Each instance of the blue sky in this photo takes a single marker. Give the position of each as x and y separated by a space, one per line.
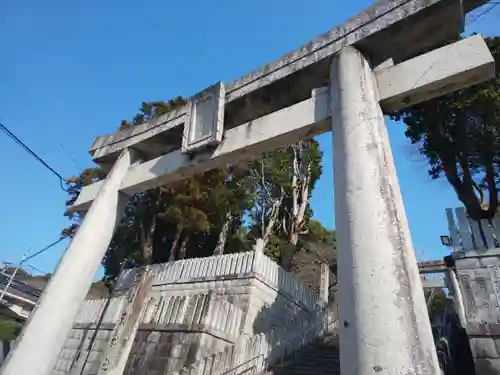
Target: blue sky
72 70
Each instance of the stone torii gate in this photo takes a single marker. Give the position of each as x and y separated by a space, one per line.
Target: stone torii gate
342 81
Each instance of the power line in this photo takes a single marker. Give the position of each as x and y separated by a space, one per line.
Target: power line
32 153
45 248
470 22
26 258
40 119
487 10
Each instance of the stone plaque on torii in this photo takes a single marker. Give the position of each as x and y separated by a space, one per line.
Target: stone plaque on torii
342 81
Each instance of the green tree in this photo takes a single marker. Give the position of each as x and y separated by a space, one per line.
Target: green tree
74 186
318 233
437 301
295 213
284 180
229 197
205 214
185 218
459 134
9 329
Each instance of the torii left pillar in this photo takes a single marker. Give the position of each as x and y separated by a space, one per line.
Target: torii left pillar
66 290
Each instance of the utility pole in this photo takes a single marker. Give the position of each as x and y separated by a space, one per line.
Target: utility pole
14 274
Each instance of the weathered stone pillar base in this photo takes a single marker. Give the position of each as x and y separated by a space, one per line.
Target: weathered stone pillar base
384 324
477 273
484 339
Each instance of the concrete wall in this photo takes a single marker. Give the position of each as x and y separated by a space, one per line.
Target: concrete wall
192 309
173 330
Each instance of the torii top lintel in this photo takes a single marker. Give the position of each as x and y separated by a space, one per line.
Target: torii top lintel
392 29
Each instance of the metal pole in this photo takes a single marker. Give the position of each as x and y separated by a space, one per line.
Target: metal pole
13 275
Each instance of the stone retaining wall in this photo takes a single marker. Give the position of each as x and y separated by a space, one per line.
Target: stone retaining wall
190 309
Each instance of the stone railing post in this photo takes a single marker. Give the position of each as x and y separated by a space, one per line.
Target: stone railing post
324 283
122 339
258 250
457 297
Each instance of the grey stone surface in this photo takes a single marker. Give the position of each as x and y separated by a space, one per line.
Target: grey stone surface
397 29
484 347
204 124
478 288
385 322
167 352
483 329
477 276
487 366
182 322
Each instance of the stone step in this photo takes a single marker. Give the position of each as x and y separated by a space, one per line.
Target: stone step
322 348
327 343
307 371
309 364
304 367
326 353
319 358
315 358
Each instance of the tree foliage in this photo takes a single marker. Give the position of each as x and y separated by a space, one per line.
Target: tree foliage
459 134
437 301
284 180
9 329
224 210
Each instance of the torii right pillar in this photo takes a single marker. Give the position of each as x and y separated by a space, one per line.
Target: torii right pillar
384 324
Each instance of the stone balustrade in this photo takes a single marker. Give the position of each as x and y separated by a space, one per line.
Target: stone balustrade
222 267
469 235
91 310
257 353
194 310
190 310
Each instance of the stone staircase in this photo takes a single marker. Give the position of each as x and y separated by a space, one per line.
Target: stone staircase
318 358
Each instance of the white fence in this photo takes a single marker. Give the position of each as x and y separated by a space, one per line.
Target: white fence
467 234
227 266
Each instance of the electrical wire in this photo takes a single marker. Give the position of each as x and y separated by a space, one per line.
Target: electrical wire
45 249
62 180
470 22
486 11
32 153
23 261
40 119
